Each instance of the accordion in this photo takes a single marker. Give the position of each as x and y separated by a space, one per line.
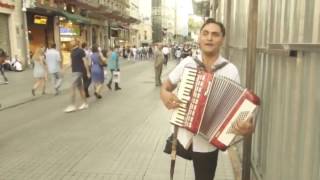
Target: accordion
212 105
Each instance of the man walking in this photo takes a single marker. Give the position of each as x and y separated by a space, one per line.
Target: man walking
79 68
86 79
3 57
54 63
113 65
158 63
166 52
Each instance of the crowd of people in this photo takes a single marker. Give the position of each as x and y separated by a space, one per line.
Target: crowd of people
87 66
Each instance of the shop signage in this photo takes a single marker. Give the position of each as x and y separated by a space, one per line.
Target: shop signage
65 31
6 5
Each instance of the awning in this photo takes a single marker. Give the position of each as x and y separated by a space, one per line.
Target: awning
75 18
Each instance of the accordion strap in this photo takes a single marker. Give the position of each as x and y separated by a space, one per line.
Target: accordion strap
215 68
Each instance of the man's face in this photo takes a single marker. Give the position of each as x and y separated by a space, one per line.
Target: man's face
210 38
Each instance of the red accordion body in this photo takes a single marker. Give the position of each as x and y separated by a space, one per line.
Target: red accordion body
212 105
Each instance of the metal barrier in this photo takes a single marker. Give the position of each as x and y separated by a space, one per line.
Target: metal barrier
286 143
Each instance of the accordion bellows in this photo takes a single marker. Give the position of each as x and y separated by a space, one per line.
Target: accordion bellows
212 105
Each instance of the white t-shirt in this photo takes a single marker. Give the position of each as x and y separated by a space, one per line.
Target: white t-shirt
53 60
185 137
165 50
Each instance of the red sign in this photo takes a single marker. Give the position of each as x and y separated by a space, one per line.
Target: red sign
6 5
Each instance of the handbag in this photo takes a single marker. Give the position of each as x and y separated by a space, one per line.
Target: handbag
181 151
116 76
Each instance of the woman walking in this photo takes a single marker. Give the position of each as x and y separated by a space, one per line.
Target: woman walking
39 71
97 72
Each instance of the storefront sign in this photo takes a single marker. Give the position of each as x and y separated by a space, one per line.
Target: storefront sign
6 5
37 19
67 31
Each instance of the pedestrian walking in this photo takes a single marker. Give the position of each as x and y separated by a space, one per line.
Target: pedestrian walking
150 52
158 63
86 79
39 71
113 65
97 72
166 52
79 67
203 154
54 64
3 57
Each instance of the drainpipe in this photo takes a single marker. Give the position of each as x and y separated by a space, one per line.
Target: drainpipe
228 28
250 78
26 39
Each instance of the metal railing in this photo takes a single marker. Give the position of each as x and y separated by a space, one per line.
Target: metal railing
286 142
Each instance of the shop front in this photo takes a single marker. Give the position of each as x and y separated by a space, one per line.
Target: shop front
6 36
4 31
40 30
69 31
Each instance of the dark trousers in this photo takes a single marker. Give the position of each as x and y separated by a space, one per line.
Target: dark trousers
166 57
205 165
158 72
2 73
86 84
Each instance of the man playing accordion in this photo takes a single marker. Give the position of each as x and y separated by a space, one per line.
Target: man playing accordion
204 155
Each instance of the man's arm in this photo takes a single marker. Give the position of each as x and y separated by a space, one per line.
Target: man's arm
169 99
84 59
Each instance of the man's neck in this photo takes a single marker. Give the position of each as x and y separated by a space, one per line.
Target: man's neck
210 59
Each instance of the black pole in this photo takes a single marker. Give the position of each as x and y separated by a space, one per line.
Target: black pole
173 151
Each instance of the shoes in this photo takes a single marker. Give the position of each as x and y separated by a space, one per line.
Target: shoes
33 92
6 82
43 93
118 88
109 86
87 95
70 108
83 106
57 92
98 96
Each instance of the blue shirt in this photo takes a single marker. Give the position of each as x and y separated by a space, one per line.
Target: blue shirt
113 63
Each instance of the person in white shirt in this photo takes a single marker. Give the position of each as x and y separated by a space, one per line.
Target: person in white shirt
165 51
204 155
54 63
134 53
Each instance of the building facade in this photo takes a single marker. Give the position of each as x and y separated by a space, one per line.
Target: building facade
12 29
104 23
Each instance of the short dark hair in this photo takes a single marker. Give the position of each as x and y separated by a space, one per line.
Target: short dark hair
53 45
84 45
95 48
2 53
213 21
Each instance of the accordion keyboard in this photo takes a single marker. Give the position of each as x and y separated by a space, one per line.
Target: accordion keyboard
184 94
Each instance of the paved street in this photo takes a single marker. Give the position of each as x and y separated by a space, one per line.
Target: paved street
120 137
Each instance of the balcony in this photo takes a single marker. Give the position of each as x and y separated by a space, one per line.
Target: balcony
85 4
